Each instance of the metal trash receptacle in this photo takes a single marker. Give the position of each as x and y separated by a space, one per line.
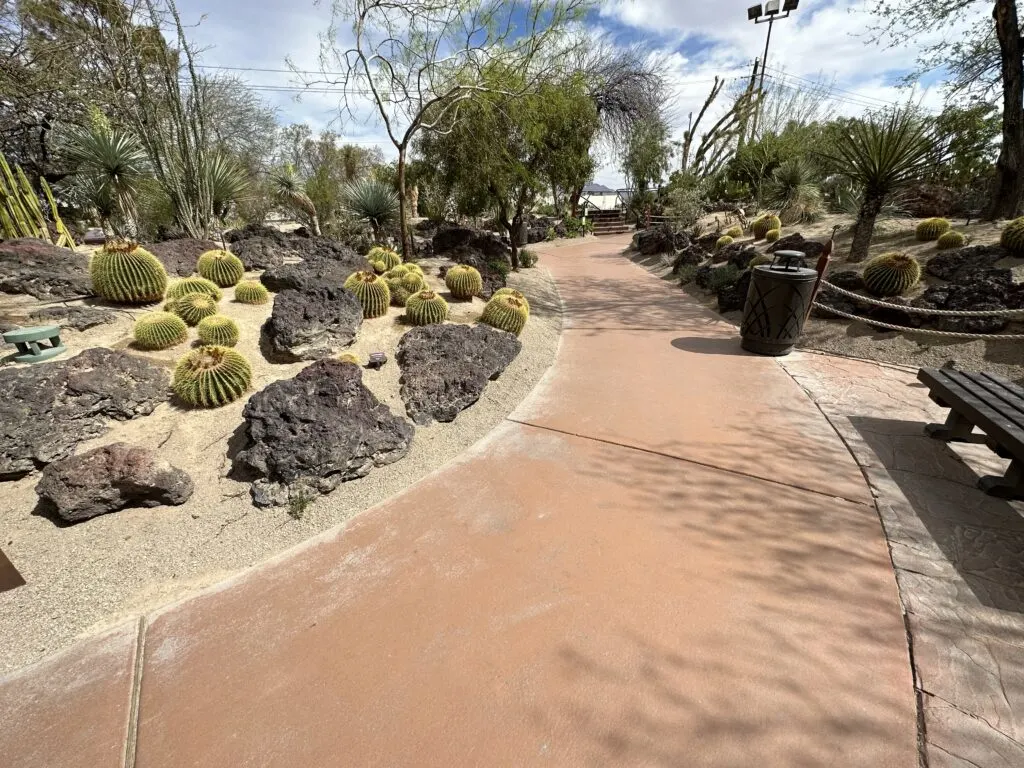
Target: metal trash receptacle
779 296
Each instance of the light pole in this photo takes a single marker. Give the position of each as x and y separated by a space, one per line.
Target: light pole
769 14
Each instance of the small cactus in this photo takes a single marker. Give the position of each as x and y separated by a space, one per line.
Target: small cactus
188 285
159 330
507 313
211 376
413 267
765 224
222 267
413 282
426 308
734 232
463 281
193 307
509 292
251 292
891 274
379 267
348 357
218 330
385 255
399 296
372 291
772 235
950 240
125 273
1012 238
759 260
400 271
723 241
931 229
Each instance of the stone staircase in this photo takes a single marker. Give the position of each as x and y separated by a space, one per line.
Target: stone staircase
610 222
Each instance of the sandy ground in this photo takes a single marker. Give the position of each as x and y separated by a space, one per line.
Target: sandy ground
85 577
852 339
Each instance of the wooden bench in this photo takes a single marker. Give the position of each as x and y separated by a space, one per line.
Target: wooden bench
26 340
993 405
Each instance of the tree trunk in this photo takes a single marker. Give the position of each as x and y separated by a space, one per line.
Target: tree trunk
515 235
574 201
865 226
403 221
314 222
1008 188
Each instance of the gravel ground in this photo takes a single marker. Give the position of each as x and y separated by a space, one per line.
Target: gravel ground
84 578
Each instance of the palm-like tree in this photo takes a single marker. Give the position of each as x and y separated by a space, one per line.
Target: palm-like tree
228 182
881 156
372 201
793 189
290 191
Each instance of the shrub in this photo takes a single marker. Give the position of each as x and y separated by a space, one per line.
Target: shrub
891 274
189 285
734 232
550 234
373 201
931 229
723 241
463 281
426 308
949 240
527 258
218 330
222 267
385 255
372 291
1012 238
159 330
722 277
251 292
772 235
687 273
125 273
193 307
765 224
507 313
211 376
793 190
501 266
574 227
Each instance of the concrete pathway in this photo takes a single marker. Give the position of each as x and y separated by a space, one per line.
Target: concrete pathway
665 557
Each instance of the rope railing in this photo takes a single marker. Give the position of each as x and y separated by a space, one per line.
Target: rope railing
921 310
928 331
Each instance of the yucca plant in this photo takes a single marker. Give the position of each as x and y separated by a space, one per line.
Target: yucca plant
289 190
882 155
793 189
228 184
371 201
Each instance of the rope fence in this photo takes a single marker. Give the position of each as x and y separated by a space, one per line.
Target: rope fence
921 310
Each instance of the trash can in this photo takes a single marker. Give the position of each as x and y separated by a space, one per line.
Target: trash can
779 296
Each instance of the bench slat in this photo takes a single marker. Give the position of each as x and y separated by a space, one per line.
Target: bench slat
997 398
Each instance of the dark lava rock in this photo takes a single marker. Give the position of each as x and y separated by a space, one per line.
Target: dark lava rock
961 264
309 275
422 247
659 239
926 200
489 244
976 289
452 237
732 298
179 257
690 256
42 270
847 279
255 230
894 316
493 279
841 303
324 249
260 252
78 318
48 409
975 324
318 430
111 478
702 277
811 249
313 323
446 367
738 255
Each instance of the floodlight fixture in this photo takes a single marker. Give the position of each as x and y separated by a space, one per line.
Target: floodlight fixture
790 5
772 7
754 12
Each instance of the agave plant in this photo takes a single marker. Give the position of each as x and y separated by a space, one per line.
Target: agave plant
882 155
228 183
372 201
289 190
793 190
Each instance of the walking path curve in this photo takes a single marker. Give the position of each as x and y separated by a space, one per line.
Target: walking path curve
664 557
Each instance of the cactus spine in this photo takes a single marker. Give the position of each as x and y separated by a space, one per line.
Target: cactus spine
413 282
891 274
251 292
125 273
426 308
189 285
507 313
159 330
222 267
372 291
463 281
211 376
218 330
193 307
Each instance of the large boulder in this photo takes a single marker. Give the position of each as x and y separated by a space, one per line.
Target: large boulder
963 263
308 275
926 200
846 279
493 278
690 256
313 323
260 252
738 254
111 478
78 318
732 298
48 409
255 230
659 239
324 249
179 256
452 237
445 368
811 249
317 430
42 270
489 244
974 289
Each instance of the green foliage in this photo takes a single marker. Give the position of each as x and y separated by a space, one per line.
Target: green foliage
931 229
762 224
159 330
228 183
193 307
372 292
687 273
251 292
685 199
291 192
125 273
949 240
550 234
507 313
645 160
891 274
426 308
1012 237
772 235
188 285
723 277
527 258
219 330
500 265
373 202
574 227
222 267
399 296
793 190
20 212
210 377
723 241
389 258
299 500
463 281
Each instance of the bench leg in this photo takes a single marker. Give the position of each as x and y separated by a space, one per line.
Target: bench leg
1009 486
956 429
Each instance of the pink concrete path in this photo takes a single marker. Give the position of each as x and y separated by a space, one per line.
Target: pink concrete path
665 557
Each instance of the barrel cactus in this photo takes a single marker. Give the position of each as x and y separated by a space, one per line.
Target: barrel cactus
395 272
950 240
159 330
734 232
759 260
372 292
1012 238
399 296
222 267
506 313
723 241
931 229
386 255
772 235
211 376
426 308
251 292
765 224
193 307
413 267
463 281
219 330
123 272
379 267
188 285
413 282
510 292
891 274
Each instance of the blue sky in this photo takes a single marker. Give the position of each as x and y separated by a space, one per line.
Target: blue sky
698 38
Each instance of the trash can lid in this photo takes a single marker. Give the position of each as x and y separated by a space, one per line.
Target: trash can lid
785 266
